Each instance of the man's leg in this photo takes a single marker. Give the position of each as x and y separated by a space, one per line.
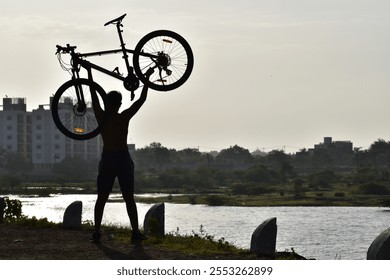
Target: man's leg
132 212
131 208
126 182
99 209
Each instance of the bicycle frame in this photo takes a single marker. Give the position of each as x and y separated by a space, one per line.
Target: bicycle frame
131 82
77 58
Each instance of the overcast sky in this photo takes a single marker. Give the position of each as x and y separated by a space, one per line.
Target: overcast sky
267 74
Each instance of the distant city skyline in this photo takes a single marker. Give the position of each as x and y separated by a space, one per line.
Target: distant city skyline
285 148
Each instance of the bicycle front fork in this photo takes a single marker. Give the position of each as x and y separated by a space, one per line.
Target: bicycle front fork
80 107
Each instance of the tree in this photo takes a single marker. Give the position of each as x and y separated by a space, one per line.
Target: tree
189 155
235 154
73 168
379 146
302 159
153 156
17 163
323 179
8 180
322 159
280 162
174 178
379 153
260 174
2 157
204 178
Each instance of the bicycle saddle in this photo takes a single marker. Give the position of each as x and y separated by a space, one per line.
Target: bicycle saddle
115 21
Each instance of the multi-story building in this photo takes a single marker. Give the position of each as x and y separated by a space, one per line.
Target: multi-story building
15 127
339 154
336 147
35 135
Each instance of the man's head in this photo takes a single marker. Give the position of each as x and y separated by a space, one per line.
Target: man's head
114 100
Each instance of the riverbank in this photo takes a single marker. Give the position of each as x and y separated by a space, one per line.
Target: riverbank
223 199
339 195
26 242
267 200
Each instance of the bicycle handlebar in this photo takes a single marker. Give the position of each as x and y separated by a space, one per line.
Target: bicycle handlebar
67 49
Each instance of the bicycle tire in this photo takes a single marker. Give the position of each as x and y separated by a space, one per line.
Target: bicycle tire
175 53
70 120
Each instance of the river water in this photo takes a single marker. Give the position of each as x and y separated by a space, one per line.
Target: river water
323 233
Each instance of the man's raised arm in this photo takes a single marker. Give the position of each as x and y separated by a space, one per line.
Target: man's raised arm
129 113
95 100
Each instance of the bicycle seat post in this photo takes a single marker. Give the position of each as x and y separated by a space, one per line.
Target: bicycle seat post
131 82
125 56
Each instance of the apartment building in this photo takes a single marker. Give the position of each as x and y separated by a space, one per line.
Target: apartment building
35 135
15 127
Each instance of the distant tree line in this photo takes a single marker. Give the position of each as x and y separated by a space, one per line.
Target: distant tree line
156 156
158 166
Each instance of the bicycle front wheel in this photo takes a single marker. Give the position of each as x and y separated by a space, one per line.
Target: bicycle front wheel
169 54
72 109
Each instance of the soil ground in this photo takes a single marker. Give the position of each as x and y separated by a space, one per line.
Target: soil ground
33 243
30 243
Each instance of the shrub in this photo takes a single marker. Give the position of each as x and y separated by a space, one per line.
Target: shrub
12 210
250 189
192 199
374 189
339 194
385 203
322 179
215 200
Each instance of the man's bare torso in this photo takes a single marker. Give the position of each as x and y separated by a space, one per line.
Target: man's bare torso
114 132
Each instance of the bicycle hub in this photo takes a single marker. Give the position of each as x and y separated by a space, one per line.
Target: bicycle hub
163 60
79 109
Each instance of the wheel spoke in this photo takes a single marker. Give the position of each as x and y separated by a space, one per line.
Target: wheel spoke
76 120
174 59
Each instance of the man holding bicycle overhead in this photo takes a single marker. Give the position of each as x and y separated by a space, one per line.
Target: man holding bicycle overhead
115 160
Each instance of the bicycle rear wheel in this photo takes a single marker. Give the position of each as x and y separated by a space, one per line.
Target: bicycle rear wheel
73 116
170 53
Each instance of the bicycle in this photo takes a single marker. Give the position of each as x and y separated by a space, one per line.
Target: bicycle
164 51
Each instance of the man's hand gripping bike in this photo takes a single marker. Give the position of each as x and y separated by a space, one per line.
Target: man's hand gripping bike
164 51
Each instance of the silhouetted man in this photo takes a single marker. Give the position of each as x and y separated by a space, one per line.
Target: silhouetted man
115 160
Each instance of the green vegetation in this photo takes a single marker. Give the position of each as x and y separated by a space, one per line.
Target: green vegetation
233 176
195 244
12 214
12 210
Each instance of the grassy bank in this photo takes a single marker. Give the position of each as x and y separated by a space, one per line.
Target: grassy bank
281 195
198 245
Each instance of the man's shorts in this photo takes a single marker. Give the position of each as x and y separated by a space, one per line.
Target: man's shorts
116 164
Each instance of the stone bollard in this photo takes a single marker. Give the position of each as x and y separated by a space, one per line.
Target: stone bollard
2 206
263 241
380 247
72 215
154 222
